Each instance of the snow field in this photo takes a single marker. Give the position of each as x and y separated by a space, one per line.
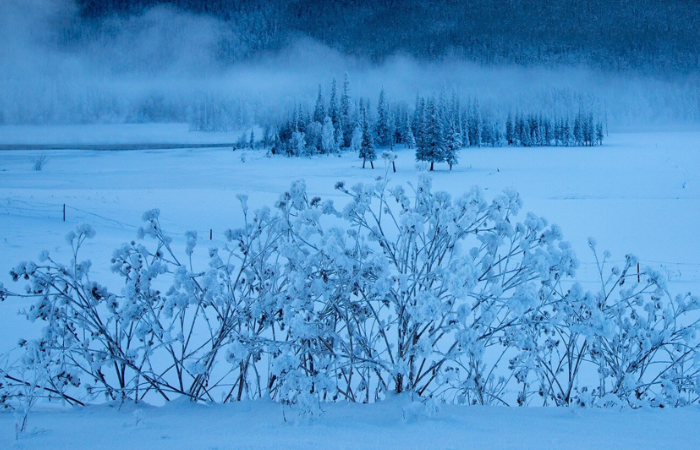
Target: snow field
637 193
395 424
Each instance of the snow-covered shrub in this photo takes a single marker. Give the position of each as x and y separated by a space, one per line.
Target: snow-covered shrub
645 342
444 280
637 340
449 299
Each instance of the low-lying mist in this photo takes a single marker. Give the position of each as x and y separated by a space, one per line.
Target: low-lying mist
162 64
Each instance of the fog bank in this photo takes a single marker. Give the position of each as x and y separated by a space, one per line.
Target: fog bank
164 63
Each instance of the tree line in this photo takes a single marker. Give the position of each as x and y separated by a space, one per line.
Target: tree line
437 127
655 36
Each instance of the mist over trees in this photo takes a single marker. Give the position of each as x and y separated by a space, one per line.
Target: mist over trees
229 65
653 36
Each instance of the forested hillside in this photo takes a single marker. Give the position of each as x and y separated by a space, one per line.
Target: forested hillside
652 36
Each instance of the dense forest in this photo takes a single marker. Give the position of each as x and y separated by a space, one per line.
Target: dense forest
651 36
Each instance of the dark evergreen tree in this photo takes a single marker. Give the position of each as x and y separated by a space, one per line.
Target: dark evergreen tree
320 109
367 150
333 109
346 119
453 143
599 133
433 140
510 137
384 132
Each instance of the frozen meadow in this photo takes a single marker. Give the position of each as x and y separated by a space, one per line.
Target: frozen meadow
639 193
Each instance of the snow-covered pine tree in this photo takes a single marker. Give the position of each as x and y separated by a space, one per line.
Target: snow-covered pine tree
338 139
548 131
298 144
455 113
418 122
434 150
242 141
268 131
510 137
346 120
567 133
589 130
367 150
328 142
410 139
319 109
518 129
578 130
534 128
498 134
305 118
453 143
383 129
333 109
314 132
400 123
486 132
276 142
475 135
356 141
525 136
393 139
557 131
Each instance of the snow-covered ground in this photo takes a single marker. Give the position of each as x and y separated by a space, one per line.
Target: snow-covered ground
110 134
395 424
638 193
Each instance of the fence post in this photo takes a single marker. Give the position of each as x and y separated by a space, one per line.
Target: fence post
638 280
64 212
211 233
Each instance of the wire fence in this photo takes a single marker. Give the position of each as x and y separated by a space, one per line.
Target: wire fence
63 212
680 272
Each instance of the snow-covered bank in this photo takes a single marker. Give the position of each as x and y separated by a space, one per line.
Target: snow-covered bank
396 424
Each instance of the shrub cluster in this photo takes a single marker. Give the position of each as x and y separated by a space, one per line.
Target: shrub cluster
402 290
